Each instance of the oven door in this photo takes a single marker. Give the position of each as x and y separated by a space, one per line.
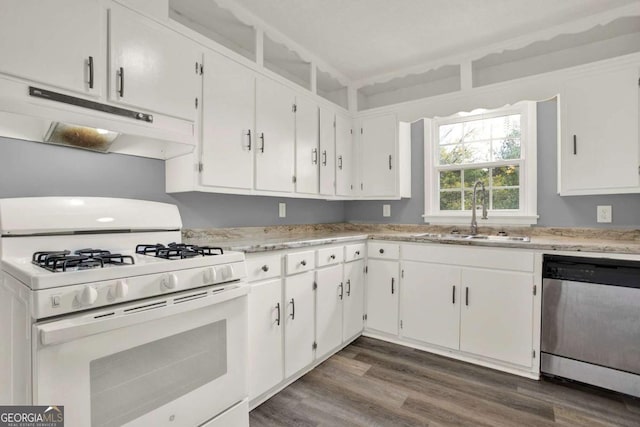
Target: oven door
174 361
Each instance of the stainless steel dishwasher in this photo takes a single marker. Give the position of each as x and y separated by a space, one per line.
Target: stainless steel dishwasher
591 321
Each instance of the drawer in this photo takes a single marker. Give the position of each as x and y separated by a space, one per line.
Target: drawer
383 250
330 256
300 261
465 256
354 252
263 267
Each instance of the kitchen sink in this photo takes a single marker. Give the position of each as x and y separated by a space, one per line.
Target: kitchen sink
486 237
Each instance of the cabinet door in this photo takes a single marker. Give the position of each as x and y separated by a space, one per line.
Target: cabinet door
430 304
329 300
353 299
152 67
307 146
497 315
378 155
382 296
275 136
344 156
299 322
228 139
600 150
327 152
53 43
266 320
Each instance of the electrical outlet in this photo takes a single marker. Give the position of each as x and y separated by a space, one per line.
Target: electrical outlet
386 210
604 213
282 210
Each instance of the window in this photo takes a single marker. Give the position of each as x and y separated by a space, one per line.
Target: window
497 148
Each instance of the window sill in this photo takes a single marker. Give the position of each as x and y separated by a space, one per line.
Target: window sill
494 219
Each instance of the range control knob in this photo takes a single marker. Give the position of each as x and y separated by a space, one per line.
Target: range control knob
170 281
120 290
210 275
228 272
88 295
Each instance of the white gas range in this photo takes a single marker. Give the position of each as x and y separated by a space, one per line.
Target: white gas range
104 311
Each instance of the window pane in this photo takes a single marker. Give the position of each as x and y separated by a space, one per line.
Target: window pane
477 130
505 126
450 134
506 149
450 179
468 199
473 175
454 155
450 200
479 152
506 176
506 199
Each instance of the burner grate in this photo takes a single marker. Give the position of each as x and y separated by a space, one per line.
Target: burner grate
177 250
83 259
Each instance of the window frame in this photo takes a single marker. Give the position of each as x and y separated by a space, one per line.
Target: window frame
527 213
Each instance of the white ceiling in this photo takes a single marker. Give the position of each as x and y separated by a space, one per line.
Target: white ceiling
366 38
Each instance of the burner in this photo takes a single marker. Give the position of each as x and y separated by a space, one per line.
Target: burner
177 250
83 259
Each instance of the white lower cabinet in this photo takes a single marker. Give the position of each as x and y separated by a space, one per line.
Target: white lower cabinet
330 294
299 317
353 311
431 303
266 322
382 296
497 315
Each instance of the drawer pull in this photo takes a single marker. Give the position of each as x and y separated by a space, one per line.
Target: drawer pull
332 256
357 253
265 268
381 251
303 263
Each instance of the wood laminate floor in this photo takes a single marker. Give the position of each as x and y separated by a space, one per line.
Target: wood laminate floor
374 383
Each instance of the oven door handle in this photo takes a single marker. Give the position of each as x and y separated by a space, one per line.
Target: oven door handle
73 328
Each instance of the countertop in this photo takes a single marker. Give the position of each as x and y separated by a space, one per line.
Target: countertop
263 239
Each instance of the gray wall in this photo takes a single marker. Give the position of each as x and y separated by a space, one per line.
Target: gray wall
35 169
575 211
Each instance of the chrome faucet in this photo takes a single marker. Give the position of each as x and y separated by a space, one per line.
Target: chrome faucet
474 221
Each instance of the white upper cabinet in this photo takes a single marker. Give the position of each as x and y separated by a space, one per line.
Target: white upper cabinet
345 155
54 43
600 147
152 67
228 111
307 146
327 151
378 155
275 136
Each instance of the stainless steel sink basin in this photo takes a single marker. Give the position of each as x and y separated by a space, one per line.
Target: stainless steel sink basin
474 237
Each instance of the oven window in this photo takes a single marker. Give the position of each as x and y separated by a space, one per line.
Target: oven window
131 383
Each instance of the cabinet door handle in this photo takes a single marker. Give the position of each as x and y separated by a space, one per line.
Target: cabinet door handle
340 162
293 309
453 297
389 161
393 282
314 156
466 296
265 268
262 140
341 290
575 144
121 80
249 135
90 65
324 157
349 287
278 318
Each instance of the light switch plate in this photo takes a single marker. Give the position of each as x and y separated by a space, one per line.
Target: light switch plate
386 210
282 210
604 213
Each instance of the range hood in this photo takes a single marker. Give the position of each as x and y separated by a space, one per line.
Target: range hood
33 113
